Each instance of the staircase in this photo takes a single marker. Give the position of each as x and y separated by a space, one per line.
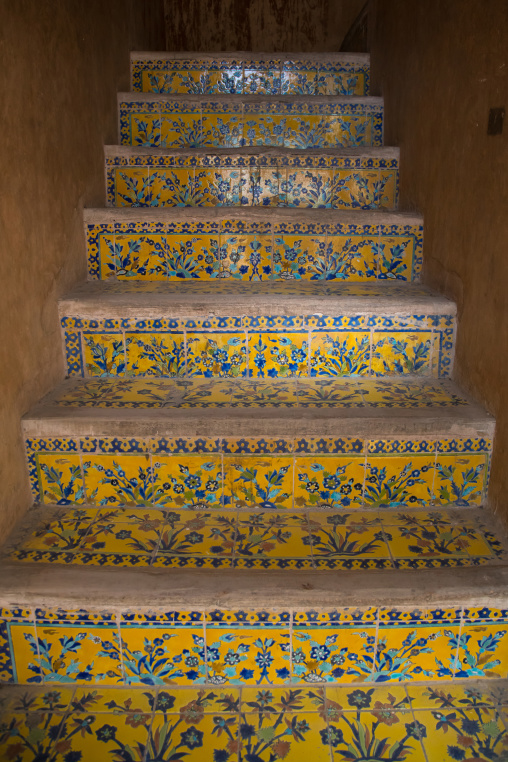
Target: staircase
259 528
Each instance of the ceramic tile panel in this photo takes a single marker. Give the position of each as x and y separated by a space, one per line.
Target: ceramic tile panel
290 180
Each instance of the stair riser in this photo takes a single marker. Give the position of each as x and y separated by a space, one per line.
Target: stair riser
253 251
173 124
214 77
268 474
228 648
261 346
349 189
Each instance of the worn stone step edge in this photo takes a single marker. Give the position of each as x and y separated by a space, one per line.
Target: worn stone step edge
129 153
118 299
373 102
120 589
247 55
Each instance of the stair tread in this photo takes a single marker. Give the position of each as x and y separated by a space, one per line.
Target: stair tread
189 297
214 98
294 408
164 55
316 215
126 151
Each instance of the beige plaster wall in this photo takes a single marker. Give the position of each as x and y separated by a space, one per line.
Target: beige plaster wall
62 62
259 25
441 65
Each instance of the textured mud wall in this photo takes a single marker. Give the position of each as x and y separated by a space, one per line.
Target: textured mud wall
441 65
62 62
259 25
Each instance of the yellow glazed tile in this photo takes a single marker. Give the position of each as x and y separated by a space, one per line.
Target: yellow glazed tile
194 701
263 520
208 392
60 478
188 481
394 480
460 478
329 482
170 187
483 651
245 257
309 188
118 479
163 655
353 188
294 82
107 255
340 353
427 542
107 734
145 130
220 186
265 186
80 654
57 535
349 131
321 655
264 130
439 697
350 540
273 355
194 257
297 257
275 700
114 536
200 736
401 352
222 130
395 257
295 738
352 257
24 651
466 734
198 536
220 354
247 656
155 354
106 699
272 541
22 699
325 391
181 130
257 481
132 186
416 652
104 354
306 131
346 699
187 82
387 197
135 256
379 393
264 394
28 737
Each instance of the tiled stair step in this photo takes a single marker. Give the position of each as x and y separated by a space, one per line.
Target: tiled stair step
252 244
186 121
172 623
251 74
260 330
344 444
346 178
162 718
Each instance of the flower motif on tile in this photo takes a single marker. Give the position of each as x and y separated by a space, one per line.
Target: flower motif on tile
247 656
156 356
309 189
259 483
225 189
119 487
200 535
478 648
277 356
463 486
66 659
36 736
104 355
246 262
63 533
192 482
174 192
136 190
341 537
386 491
123 259
219 355
192 729
328 488
377 730
323 656
401 355
186 262
422 652
436 537
61 481
391 260
266 131
352 190
262 535
146 132
223 132
179 132
333 356
156 660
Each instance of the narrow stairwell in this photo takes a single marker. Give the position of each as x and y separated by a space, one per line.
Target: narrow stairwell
260 526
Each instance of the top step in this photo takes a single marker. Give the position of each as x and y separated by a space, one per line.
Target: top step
247 73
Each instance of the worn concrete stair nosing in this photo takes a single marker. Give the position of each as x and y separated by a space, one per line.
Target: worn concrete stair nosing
120 299
248 55
271 214
133 152
50 419
120 589
374 101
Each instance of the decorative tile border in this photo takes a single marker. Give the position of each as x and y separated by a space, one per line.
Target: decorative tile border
248 648
233 124
253 251
338 474
261 77
261 347
305 181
